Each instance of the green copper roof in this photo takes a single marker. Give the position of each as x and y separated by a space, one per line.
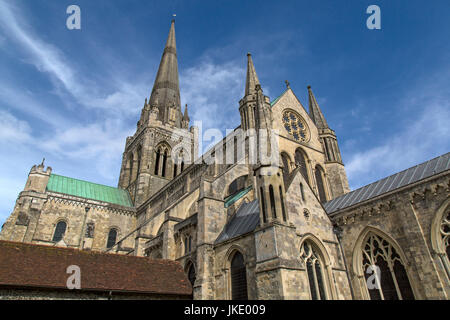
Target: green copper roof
235 197
88 190
275 101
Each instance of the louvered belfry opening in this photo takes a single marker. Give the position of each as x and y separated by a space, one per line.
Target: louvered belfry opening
238 278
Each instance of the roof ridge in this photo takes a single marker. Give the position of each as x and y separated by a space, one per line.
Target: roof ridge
98 184
396 180
277 98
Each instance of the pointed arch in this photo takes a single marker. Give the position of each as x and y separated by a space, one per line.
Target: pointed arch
440 235
320 180
301 160
157 159
238 276
139 158
60 230
286 160
376 248
112 237
272 202
318 268
191 271
164 164
130 168
162 155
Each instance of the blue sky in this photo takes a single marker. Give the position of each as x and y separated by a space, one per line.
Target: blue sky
74 96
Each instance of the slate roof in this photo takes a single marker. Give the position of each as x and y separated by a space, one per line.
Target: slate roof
246 219
395 181
89 190
41 266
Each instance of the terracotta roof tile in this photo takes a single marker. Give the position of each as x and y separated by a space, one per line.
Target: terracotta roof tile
41 266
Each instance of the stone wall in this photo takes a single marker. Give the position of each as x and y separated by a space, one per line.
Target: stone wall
405 219
43 294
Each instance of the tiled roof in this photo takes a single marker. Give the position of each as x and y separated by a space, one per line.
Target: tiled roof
89 190
40 266
398 180
246 219
235 197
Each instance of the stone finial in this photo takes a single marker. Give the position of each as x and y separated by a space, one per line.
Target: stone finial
288 85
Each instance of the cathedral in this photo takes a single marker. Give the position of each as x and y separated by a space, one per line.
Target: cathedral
267 213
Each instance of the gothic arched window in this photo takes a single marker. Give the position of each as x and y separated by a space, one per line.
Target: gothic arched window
130 159
191 274
315 269
175 168
164 164
384 270
285 160
187 244
157 156
263 202
300 160
112 238
139 154
60 230
283 210
445 233
272 202
182 166
302 192
238 277
320 184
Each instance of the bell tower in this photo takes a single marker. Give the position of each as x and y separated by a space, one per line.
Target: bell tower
163 144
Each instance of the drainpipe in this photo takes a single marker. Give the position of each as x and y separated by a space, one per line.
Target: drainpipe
86 209
338 232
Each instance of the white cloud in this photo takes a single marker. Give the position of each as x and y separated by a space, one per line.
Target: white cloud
119 96
425 136
212 92
13 130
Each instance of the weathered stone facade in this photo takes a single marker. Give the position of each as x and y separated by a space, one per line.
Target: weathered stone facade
190 212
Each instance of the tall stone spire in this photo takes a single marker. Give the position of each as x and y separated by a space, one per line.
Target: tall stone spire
166 89
252 78
314 111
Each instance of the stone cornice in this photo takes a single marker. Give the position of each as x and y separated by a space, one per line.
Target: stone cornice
388 194
77 201
385 203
